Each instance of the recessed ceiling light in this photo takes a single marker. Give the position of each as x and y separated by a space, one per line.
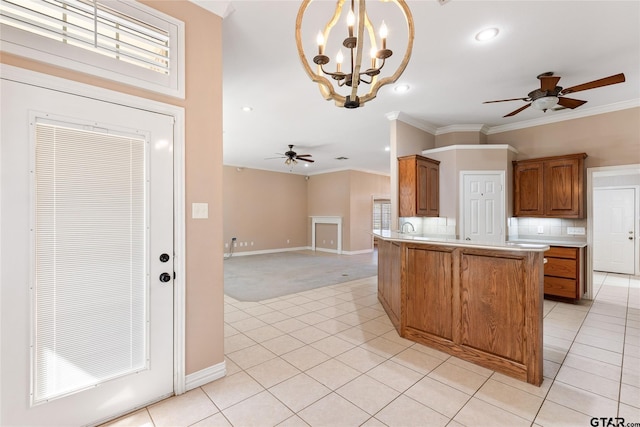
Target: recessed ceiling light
306 165
401 88
387 148
247 109
487 34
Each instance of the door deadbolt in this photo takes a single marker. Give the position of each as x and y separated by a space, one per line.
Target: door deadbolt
164 257
165 277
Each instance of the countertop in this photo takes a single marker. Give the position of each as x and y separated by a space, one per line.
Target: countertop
418 238
565 243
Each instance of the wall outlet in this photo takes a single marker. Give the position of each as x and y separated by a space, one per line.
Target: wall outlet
540 229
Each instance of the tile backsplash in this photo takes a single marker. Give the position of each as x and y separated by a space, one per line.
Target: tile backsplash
440 226
547 228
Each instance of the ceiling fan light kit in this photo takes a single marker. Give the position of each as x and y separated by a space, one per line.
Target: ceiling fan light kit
359 33
550 94
291 157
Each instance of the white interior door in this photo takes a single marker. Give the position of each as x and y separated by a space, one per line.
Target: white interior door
614 233
483 206
86 212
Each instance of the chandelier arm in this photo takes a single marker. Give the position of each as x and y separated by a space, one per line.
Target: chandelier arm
402 4
355 77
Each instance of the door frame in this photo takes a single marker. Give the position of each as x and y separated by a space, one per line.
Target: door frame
632 169
33 78
461 206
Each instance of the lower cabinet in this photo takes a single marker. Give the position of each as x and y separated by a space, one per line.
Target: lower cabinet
564 272
389 276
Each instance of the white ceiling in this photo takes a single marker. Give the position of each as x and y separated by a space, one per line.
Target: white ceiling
450 75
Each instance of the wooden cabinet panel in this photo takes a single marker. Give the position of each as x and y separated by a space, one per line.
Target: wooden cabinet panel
493 304
563 272
528 189
418 186
549 187
560 287
389 276
429 292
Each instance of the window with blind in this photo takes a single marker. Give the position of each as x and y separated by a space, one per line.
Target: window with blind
112 39
90 240
381 214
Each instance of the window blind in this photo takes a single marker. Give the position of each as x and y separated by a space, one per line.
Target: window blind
90 287
381 214
93 26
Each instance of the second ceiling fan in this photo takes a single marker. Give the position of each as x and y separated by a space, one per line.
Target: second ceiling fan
292 157
550 95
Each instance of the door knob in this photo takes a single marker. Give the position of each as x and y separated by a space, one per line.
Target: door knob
164 257
165 277
630 238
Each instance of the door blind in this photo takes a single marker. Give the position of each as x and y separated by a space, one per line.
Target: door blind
90 270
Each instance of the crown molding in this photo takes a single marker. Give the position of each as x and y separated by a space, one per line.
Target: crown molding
554 117
566 115
405 118
471 147
221 8
463 128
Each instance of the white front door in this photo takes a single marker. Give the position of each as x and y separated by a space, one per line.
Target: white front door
483 206
86 216
614 233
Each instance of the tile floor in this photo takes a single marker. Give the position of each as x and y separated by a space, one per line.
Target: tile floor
330 357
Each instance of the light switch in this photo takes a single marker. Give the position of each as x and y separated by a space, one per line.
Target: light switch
200 210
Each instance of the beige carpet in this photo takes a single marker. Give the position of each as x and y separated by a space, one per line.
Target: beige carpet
261 277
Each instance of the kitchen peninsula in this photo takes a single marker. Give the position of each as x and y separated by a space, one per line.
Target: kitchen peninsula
481 302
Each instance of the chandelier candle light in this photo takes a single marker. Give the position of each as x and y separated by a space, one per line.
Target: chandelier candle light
358 22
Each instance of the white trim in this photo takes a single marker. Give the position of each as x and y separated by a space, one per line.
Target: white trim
8 72
603 171
50 52
462 128
221 8
206 375
363 251
269 251
561 116
405 118
471 147
331 251
337 220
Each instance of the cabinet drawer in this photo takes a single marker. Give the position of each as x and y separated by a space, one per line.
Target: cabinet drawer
561 252
560 287
560 267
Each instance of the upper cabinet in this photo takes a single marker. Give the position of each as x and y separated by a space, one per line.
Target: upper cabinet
549 187
418 186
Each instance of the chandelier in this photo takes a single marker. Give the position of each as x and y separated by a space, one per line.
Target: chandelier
359 33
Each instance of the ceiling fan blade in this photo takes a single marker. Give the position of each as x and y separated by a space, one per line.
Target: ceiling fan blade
513 113
503 100
279 157
305 160
548 82
570 102
303 155
611 80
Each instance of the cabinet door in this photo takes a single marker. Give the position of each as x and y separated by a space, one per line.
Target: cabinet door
563 188
428 188
528 189
407 185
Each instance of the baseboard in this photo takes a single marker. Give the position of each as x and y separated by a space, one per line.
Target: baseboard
270 251
364 251
301 248
205 376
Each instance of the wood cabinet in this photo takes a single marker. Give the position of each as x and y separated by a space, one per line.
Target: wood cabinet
418 186
564 272
479 304
549 187
389 276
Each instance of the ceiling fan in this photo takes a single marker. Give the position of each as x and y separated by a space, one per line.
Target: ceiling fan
549 95
292 157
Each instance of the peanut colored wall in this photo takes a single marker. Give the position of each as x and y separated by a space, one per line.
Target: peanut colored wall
269 208
608 139
203 152
266 208
460 138
364 188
